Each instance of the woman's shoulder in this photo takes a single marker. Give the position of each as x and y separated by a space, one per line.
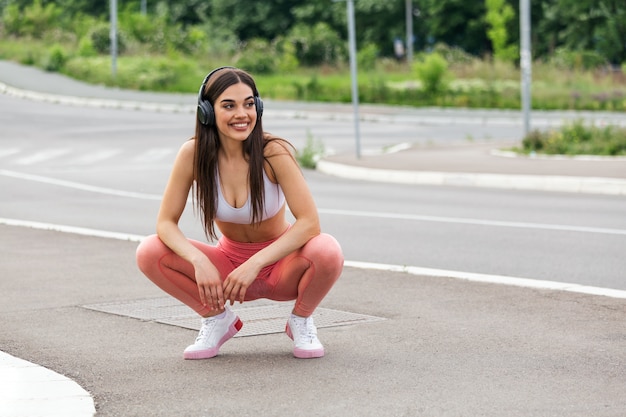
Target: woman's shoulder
188 148
276 146
186 152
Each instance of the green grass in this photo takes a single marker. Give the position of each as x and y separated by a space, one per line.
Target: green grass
473 83
576 138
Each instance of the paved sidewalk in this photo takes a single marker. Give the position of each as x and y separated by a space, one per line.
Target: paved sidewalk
444 347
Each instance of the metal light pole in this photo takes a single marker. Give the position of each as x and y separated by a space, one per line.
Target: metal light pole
409 30
525 62
353 73
113 37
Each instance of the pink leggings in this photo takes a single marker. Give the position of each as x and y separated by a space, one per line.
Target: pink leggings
305 275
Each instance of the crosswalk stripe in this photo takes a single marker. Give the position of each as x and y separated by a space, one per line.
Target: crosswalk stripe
42 156
96 156
8 152
153 155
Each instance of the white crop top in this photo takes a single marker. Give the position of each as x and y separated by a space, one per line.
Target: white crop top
274 201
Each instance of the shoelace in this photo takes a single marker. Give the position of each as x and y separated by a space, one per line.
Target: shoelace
306 329
207 327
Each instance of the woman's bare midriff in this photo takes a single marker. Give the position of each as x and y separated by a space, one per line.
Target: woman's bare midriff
267 230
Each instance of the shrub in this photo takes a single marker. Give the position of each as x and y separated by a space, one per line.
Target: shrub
578 60
12 19
142 28
433 73
101 39
453 54
55 59
577 139
258 57
366 57
37 19
499 13
311 153
287 60
317 45
85 47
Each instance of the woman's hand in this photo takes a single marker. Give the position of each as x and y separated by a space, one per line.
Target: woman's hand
209 284
238 281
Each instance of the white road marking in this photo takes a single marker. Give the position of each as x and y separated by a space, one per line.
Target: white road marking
96 156
492 279
414 270
8 152
42 156
355 213
153 155
478 222
78 186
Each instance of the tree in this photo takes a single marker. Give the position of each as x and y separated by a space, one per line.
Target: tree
459 23
498 16
586 25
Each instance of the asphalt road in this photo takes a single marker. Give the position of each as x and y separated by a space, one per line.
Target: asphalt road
105 169
441 346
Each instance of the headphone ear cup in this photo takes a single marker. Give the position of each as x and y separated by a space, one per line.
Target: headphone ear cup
258 103
205 113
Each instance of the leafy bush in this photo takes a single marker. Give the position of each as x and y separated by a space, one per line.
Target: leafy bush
433 73
311 153
258 56
578 60
221 41
453 54
366 57
577 139
101 39
55 59
33 21
318 44
86 48
12 19
499 13
140 27
287 60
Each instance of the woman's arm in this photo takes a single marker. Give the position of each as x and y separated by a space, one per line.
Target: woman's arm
172 206
305 227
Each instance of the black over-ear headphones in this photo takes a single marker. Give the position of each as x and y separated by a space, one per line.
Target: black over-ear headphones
205 112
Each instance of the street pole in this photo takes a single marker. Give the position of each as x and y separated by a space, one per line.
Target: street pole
144 7
353 75
113 37
409 31
525 62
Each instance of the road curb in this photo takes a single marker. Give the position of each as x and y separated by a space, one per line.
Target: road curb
32 390
591 185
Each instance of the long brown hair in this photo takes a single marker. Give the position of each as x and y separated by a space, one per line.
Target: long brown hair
206 153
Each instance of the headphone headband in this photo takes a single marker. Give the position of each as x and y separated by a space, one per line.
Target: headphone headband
205 112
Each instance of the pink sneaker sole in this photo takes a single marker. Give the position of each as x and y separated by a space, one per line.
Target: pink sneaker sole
209 353
304 353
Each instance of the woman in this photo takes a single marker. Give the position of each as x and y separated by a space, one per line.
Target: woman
241 178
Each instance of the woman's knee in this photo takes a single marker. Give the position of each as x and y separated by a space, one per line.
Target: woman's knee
148 252
325 252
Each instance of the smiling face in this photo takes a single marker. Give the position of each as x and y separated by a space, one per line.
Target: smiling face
235 113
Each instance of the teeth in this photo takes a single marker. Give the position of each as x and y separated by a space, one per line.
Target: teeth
240 124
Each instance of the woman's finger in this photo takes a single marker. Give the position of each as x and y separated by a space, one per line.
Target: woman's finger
220 297
204 299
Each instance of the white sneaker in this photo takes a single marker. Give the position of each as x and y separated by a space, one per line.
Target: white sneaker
213 334
303 332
